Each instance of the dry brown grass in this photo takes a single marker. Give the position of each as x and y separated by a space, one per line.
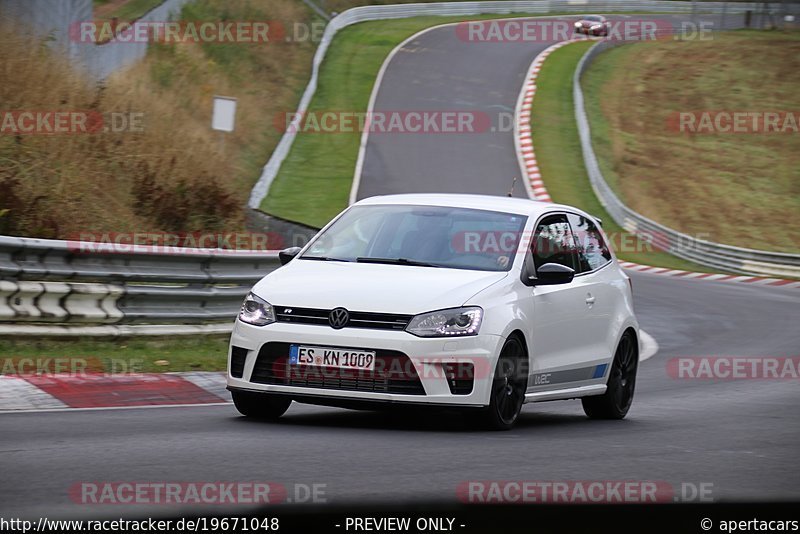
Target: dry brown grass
170 177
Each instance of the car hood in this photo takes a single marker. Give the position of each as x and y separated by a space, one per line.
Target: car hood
372 287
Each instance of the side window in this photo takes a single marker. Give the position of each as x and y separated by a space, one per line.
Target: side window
593 252
553 242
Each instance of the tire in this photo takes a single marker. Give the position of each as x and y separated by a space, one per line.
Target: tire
508 387
617 400
260 405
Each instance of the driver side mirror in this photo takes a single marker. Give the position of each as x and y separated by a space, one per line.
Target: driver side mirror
286 255
551 274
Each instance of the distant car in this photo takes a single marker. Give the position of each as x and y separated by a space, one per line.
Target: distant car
596 25
469 301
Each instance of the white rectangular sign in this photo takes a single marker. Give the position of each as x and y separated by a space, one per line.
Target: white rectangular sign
224 115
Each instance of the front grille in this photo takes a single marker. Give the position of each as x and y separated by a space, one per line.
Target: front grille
238 356
375 321
394 373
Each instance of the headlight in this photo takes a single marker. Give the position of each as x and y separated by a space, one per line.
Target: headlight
597 26
443 323
256 311
577 24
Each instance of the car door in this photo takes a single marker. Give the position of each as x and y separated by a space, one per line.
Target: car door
561 341
597 282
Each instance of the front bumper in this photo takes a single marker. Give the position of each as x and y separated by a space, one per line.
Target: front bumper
427 355
597 32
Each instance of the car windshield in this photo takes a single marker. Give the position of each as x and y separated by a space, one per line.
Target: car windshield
593 18
433 236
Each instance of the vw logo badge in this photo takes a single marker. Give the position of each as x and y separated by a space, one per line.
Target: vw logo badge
338 318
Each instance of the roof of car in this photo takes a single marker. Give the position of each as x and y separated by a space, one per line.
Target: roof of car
522 206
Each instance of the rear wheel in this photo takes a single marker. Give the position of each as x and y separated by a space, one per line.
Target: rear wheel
508 387
260 405
617 400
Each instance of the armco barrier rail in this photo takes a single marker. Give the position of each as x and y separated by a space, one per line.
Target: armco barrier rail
540 7
719 256
73 283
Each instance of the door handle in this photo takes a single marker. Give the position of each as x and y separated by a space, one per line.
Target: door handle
589 299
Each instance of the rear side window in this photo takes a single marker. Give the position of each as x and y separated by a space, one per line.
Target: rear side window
553 242
593 251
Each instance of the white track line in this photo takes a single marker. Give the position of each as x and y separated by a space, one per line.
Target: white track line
649 346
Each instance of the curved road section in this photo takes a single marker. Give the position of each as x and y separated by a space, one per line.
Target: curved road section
468 78
729 439
442 74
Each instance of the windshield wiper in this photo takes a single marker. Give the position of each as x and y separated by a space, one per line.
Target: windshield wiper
323 258
396 261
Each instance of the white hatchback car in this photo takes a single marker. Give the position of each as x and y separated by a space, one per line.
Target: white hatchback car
450 300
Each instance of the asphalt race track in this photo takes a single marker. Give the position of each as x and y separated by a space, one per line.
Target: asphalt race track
443 70
741 436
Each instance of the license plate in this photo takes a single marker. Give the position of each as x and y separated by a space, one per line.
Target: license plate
331 357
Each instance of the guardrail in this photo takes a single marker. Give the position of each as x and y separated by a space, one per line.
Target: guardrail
717 255
72 282
540 7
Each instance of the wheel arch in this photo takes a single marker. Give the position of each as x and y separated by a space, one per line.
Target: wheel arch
520 335
636 337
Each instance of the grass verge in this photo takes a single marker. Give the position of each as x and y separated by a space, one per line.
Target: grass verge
313 184
560 159
203 353
741 189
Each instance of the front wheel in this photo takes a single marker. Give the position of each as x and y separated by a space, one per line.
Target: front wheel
260 405
617 400
508 387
